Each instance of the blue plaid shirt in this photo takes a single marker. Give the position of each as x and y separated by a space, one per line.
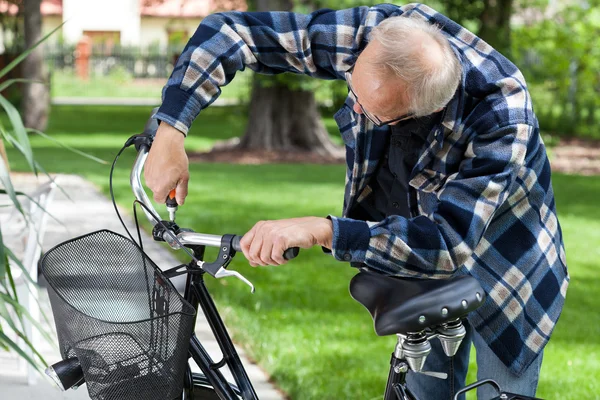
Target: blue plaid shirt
481 194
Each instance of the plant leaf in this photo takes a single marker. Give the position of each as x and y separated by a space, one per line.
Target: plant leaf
18 307
3 259
8 318
38 167
19 129
20 311
7 341
8 187
9 82
74 150
19 264
24 55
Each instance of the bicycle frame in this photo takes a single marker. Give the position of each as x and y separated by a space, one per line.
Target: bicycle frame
197 295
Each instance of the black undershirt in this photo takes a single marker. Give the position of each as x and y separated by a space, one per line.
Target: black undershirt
390 194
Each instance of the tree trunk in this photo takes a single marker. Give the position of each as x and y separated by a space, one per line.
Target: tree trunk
36 97
287 120
495 24
284 119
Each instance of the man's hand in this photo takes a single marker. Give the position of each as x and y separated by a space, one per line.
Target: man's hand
265 243
167 166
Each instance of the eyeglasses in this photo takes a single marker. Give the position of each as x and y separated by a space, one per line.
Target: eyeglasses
373 118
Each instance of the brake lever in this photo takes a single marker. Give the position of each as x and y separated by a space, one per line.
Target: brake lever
223 273
218 269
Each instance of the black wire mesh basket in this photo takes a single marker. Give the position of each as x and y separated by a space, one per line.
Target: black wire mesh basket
116 312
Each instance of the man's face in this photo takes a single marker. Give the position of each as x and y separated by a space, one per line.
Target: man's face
380 93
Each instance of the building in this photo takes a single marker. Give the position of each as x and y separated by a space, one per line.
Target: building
139 23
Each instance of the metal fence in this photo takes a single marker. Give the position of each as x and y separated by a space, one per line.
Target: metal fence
150 62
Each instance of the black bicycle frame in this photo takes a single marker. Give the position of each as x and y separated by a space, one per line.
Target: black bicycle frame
395 388
197 295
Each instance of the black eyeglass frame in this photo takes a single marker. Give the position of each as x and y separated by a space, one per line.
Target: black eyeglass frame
374 119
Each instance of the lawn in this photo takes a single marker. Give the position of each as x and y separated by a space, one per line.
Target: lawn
66 84
301 325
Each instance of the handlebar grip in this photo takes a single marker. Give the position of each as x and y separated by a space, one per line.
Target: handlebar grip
290 253
152 124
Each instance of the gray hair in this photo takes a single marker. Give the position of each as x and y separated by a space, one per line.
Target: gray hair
432 81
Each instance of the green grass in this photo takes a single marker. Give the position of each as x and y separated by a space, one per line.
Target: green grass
66 84
301 325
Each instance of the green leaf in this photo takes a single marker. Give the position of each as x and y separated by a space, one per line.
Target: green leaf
3 259
7 341
8 187
22 310
19 264
38 167
2 191
41 169
9 82
8 318
11 281
19 129
74 150
24 55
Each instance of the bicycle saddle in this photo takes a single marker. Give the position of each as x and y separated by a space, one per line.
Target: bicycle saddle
403 305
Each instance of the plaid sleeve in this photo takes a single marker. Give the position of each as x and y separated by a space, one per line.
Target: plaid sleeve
438 246
266 42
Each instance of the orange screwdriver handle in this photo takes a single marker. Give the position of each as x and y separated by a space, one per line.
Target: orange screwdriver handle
171 202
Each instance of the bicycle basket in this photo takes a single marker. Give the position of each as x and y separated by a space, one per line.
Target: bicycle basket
116 312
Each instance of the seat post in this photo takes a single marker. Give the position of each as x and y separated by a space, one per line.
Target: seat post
396 384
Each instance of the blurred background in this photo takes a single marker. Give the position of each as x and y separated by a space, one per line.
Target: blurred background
268 148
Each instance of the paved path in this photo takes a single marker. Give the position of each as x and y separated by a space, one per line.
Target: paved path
87 211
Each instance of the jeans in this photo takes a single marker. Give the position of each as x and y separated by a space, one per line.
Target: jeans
488 366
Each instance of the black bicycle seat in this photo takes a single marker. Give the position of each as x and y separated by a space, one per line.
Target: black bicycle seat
402 305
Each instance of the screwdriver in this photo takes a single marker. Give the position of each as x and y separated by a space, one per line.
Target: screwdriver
171 205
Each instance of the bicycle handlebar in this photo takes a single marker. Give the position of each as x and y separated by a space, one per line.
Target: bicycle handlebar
190 238
176 240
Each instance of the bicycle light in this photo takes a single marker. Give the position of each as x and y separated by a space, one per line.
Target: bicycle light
66 373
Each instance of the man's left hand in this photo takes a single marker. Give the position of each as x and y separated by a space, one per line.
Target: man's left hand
265 243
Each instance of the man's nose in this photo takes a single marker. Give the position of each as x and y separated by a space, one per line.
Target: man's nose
357 108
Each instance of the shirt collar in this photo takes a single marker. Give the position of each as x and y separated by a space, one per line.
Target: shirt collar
452 117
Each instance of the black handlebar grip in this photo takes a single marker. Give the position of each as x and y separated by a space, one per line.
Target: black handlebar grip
290 253
152 124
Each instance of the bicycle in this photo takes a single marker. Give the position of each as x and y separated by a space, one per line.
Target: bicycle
145 359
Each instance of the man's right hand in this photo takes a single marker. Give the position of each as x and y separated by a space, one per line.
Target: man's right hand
167 166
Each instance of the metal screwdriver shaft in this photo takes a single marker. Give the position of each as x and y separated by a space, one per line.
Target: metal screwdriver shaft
171 205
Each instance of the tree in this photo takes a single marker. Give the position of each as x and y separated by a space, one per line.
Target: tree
495 24
489 19
283 113
36 96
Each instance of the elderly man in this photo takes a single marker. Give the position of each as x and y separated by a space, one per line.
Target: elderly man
446 175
